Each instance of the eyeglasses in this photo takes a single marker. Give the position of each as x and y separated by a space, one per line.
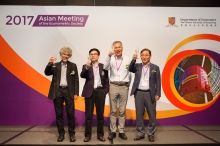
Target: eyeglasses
93 54
145 55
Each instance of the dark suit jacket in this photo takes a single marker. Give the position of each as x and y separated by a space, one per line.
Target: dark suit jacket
89 83
154 80
71 77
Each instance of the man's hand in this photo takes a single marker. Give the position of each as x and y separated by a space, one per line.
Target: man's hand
157 97
111 52
52 60
88 63
135 56
75 97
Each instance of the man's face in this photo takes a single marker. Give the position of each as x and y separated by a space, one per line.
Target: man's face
94 56
145 57
118 49
65 56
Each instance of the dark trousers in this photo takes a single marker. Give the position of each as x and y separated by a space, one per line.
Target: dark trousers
97 98
63 95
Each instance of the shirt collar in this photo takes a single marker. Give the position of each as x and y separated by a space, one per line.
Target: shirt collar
146 65
94 65
118 58
63 64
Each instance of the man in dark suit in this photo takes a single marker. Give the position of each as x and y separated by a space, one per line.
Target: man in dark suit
64 88
146 90
95 89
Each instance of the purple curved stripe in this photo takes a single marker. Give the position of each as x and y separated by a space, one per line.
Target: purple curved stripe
21 105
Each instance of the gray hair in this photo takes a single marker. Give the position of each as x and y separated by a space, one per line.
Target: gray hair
117 42
66 50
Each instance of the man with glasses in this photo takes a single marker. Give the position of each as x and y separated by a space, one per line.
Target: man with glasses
95 89
118 65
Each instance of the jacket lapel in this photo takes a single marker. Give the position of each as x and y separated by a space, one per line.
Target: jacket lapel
100 69
140 70
151 68
91 71
68 71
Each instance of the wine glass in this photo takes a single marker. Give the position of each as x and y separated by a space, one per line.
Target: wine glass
89 58
137 51
55 59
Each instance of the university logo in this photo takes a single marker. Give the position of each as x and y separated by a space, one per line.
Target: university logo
171 22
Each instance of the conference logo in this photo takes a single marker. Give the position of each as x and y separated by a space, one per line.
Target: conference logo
190 78
171 22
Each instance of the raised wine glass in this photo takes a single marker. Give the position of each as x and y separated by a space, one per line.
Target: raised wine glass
55 59
137 51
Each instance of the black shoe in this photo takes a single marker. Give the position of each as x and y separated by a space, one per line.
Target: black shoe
60 138
112 135
122 136
87 139
72 138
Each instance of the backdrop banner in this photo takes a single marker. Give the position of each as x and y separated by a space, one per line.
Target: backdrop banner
185 44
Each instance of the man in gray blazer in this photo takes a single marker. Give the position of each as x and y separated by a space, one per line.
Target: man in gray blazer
64 88
146 90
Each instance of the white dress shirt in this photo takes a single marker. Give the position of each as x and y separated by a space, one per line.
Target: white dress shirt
63 81
145 75
118 68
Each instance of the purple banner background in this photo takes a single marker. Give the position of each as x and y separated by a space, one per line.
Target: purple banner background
21 105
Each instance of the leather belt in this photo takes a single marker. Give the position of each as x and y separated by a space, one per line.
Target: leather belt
63 86
144 90
99 87
120 84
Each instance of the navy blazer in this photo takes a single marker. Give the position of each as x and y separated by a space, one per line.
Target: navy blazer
154 79
89 83
72 79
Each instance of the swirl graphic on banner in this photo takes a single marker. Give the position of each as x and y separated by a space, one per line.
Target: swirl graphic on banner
190 78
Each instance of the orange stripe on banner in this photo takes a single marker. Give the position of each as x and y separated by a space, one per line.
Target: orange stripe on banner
193 38
19 68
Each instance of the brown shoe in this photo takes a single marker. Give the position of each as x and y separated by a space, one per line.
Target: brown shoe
101 138
138 137
87 139
151 138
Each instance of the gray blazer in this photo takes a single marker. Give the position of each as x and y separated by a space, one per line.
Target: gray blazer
71 77
154 81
